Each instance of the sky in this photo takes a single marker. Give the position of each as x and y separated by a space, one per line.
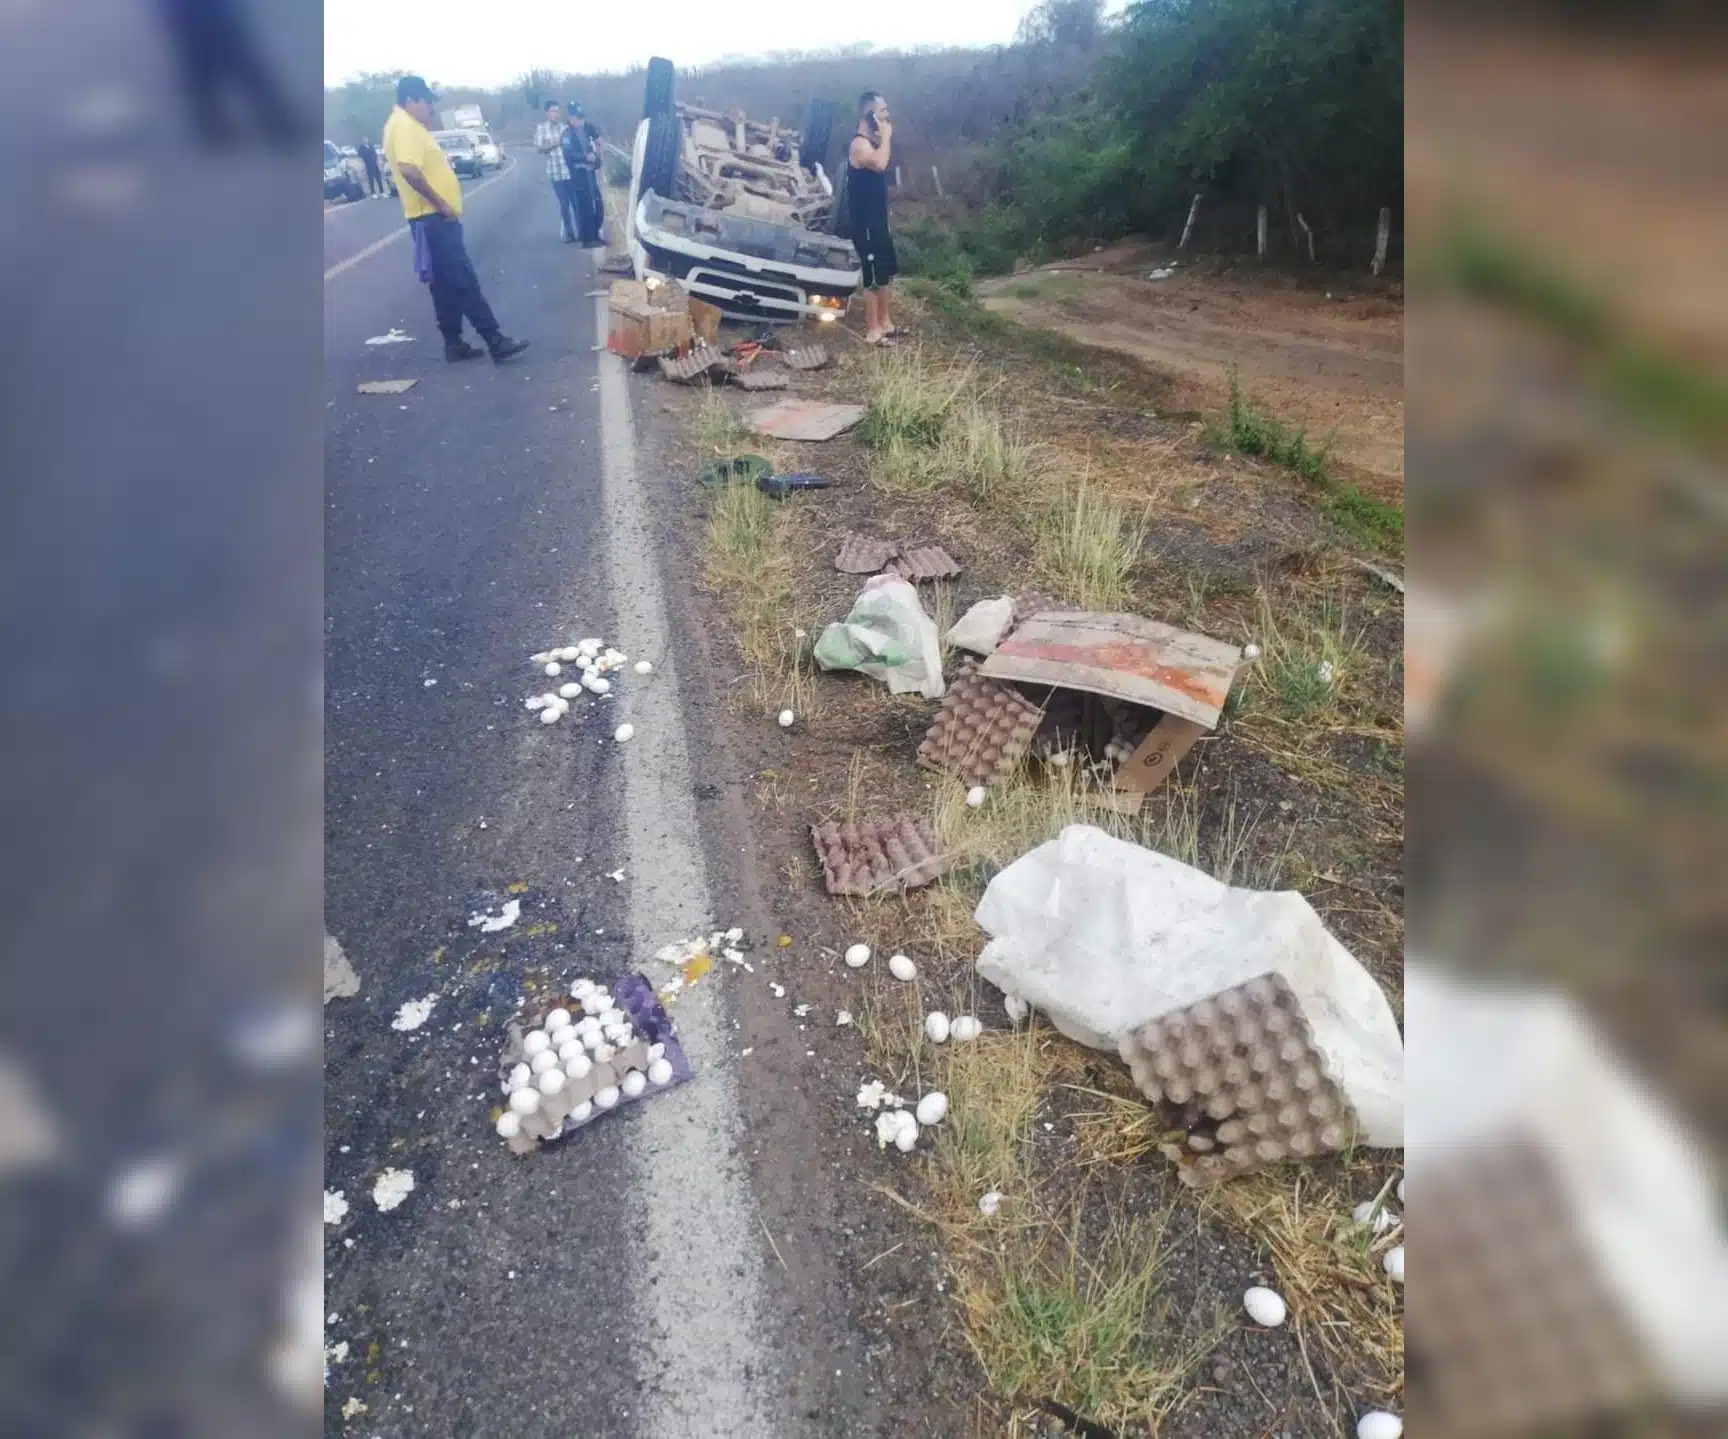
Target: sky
459 42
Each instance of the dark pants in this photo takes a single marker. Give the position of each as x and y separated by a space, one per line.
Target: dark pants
218 55
374 177
587 205
455 286
567 206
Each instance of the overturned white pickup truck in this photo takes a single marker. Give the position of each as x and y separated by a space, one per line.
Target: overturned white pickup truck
744 215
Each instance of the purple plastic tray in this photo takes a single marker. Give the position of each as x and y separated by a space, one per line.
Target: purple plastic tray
636 997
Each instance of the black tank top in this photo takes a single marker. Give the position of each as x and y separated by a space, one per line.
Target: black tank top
866 197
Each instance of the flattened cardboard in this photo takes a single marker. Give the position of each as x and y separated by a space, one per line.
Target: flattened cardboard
1123 656
806 420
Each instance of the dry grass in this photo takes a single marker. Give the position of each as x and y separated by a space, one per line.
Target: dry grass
717 430
749 569
1087 548
908 399
990 458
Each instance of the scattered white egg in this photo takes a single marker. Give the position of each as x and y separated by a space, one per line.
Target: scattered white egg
607 1098
543 1061
933 1108
580 1066
535 1042
583 1111
553 670
659 1071
569 692
976 796
1382 1219
509 1124
858 956
936 1027
568 653
964 1028
535 702
603 1052
1325 672
556 1018
634 1083
570 1051
592 1039
1250 652
1059 760
902 969
597 686
989 1203
525 1100
590 647
907 1139
1017 1008
552 713
597 1003
552 1081
1378 1424
1265 1307
623 732
519 1076
656 1050
644 668
787 719
1393 1263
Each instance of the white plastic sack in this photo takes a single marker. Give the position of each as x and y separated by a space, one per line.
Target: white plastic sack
887 636
981 628
1102 936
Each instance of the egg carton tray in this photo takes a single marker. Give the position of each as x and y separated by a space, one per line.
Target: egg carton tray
982 731
878 856
862 554
918 563
1241 1082
634 994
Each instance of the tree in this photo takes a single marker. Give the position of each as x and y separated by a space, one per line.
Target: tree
1067 24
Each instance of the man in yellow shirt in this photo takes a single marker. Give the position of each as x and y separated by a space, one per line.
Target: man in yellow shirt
432 201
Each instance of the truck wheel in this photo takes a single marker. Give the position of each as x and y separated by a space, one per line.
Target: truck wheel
660 159
839 221
818 130
657 94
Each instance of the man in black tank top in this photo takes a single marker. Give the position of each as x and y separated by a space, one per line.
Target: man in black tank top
867 205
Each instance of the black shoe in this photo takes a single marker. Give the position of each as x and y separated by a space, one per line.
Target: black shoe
460 350
504 347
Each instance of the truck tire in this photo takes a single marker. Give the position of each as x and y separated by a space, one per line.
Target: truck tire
661 155
657 93
818 132
839 219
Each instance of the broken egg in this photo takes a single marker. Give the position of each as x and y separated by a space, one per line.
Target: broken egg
659 1071
1265 1307
607 1098
553 670
936 1027
603 1052
933 1108
596 1003
509 1124
623 732
989 1203
536 1042
634 1083
1382 1218
964 1028
1378 1424
902 969
858 956
568 653
535 702
1393 1263
525 1100
519 1076
786 719
551 1081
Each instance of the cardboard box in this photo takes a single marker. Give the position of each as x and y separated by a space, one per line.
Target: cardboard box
1182 678
648 321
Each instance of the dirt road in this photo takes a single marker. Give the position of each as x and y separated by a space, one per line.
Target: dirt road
1333 363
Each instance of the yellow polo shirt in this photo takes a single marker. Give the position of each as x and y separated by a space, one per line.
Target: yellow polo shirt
408 142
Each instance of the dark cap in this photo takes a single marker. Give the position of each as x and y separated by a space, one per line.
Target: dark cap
412 87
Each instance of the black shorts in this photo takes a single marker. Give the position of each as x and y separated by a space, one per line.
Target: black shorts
876 253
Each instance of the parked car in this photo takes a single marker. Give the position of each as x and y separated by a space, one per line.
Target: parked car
491 155
460 147
344 174
743 214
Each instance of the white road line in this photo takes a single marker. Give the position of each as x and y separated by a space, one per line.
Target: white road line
698 1280
343 265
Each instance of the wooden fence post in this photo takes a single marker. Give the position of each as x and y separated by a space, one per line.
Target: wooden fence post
1381 239
1188 229
1260 232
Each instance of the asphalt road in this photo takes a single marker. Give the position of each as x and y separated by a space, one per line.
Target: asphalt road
605 1287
